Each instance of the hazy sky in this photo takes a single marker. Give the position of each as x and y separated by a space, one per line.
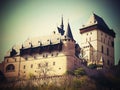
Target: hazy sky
21 19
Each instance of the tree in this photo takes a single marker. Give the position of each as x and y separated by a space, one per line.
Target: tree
44 69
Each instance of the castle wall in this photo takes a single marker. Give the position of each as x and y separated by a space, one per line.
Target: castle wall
55 64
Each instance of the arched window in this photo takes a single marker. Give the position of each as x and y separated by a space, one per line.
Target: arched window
10 68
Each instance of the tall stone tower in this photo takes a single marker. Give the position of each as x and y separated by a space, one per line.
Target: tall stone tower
97 42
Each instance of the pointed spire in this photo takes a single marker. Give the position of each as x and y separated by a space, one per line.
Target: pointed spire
61 28
69 33
22 46
62 25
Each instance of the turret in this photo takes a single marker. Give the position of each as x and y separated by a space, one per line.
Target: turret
69 42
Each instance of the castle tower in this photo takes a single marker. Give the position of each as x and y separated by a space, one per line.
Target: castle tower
69 49
97 42
69 42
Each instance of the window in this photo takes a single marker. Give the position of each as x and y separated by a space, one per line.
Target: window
46 64
7 60
10 68
56 54
39 65
24 67
103 59
53 63
107 51
108 62
91 33
26 58
31 65
15 59
102 49
35 57
52 54
112 43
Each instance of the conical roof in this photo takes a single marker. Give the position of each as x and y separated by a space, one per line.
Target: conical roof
68 32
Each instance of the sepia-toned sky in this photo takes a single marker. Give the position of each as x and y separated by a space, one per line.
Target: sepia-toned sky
21 19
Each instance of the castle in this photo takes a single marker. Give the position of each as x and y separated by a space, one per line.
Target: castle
59 53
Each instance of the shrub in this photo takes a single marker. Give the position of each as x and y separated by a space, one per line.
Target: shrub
79 71
92 66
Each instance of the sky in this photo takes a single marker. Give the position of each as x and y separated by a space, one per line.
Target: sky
22 19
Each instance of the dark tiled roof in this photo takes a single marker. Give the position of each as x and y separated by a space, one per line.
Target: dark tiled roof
100 21
96 22
69 33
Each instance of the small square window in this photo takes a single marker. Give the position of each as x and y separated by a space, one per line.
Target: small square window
24 67
53 63
46 64
31 65
52 54
39 65
26 58
7 60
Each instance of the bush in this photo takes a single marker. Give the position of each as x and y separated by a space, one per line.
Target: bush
79 71
92 66
76 83
69 73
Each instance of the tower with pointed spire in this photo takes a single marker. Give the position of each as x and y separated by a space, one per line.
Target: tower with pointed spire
97 42
61 28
